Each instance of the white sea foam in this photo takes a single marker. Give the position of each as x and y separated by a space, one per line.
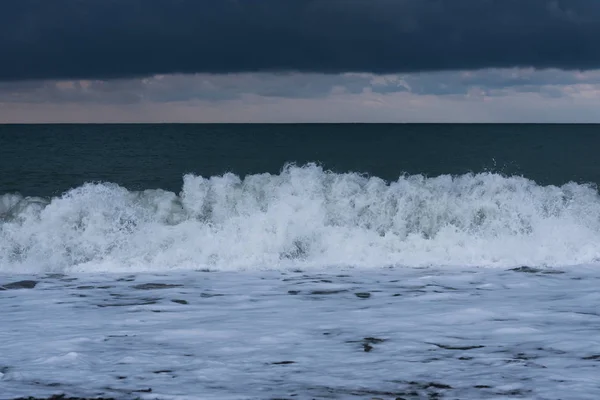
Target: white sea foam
303 217
483 333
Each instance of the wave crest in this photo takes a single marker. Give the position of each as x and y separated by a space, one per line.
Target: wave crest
304 216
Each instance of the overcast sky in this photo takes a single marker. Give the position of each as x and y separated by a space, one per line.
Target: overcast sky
300 61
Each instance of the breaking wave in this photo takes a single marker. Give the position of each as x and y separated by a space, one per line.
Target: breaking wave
303 217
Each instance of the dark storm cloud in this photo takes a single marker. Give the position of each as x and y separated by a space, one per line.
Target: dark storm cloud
42 39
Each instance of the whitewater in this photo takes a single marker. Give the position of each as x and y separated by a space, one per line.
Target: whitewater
306 284
303 217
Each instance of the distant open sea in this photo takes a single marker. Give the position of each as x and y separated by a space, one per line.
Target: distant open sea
300 261
47 160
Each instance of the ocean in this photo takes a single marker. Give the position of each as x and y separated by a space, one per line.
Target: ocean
309 261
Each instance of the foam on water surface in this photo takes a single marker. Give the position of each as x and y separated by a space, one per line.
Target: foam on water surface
307 284
303 217
387 333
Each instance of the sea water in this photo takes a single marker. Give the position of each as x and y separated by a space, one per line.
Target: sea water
299 262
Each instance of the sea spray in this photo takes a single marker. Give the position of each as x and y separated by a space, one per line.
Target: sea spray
303 217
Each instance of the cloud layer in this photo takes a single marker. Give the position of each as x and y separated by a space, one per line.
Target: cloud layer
491 95
105 39
220 88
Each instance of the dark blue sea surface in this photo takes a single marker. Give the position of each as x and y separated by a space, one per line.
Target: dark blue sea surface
46 160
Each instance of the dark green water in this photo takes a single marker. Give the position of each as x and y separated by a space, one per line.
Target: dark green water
45 160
